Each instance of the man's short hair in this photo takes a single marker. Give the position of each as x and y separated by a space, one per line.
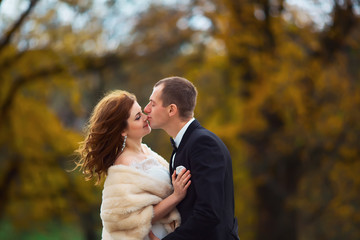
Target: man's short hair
181 92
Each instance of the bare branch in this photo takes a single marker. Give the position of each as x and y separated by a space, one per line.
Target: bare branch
7 37
344 21
9 176
20 82
7 63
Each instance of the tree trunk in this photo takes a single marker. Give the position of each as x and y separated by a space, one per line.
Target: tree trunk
276 219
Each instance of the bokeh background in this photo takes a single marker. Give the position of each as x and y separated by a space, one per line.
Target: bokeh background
278 81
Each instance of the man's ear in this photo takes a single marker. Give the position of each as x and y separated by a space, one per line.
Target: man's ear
172 110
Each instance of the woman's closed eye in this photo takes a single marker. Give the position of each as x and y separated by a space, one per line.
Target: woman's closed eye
138 116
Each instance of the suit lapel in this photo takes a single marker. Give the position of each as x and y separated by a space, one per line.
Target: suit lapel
195 124
170 164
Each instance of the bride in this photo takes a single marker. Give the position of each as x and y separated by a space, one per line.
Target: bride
138 198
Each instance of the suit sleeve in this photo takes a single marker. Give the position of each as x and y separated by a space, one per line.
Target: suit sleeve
207 176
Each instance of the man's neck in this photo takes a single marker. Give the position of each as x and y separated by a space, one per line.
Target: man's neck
175 127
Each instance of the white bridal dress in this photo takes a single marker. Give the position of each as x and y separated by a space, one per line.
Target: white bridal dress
153 168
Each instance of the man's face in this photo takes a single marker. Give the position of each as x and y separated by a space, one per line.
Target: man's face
158 115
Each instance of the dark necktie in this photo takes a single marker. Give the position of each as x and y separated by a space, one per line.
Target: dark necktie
173 144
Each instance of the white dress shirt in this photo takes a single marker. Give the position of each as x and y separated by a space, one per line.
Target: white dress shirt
179 137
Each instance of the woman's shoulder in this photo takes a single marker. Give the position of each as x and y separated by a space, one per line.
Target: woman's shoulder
125 159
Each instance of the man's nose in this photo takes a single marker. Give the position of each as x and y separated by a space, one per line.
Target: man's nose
147 108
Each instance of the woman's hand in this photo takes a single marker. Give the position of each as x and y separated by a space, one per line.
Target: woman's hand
181 183
152 236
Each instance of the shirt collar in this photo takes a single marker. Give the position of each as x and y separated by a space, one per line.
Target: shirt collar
181 133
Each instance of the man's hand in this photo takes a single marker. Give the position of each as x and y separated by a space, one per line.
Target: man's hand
152 236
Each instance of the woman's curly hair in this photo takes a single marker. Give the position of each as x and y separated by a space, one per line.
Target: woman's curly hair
103 139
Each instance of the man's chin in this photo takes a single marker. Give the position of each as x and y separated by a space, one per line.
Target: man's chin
153 126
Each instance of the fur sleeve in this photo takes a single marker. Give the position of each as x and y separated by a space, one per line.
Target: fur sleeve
127 203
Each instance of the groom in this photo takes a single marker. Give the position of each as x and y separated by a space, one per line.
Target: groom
207 212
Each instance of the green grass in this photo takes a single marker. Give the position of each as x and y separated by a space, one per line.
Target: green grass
51 230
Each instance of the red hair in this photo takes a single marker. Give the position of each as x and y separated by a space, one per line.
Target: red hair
103 139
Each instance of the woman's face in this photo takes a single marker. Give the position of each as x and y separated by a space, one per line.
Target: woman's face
138 125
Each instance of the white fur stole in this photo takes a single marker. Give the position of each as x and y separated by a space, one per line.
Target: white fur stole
127 204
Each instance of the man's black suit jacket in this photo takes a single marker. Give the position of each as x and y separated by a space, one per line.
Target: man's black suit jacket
207 211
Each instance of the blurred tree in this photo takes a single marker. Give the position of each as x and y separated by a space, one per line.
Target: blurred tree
283 96
297 86
39 92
